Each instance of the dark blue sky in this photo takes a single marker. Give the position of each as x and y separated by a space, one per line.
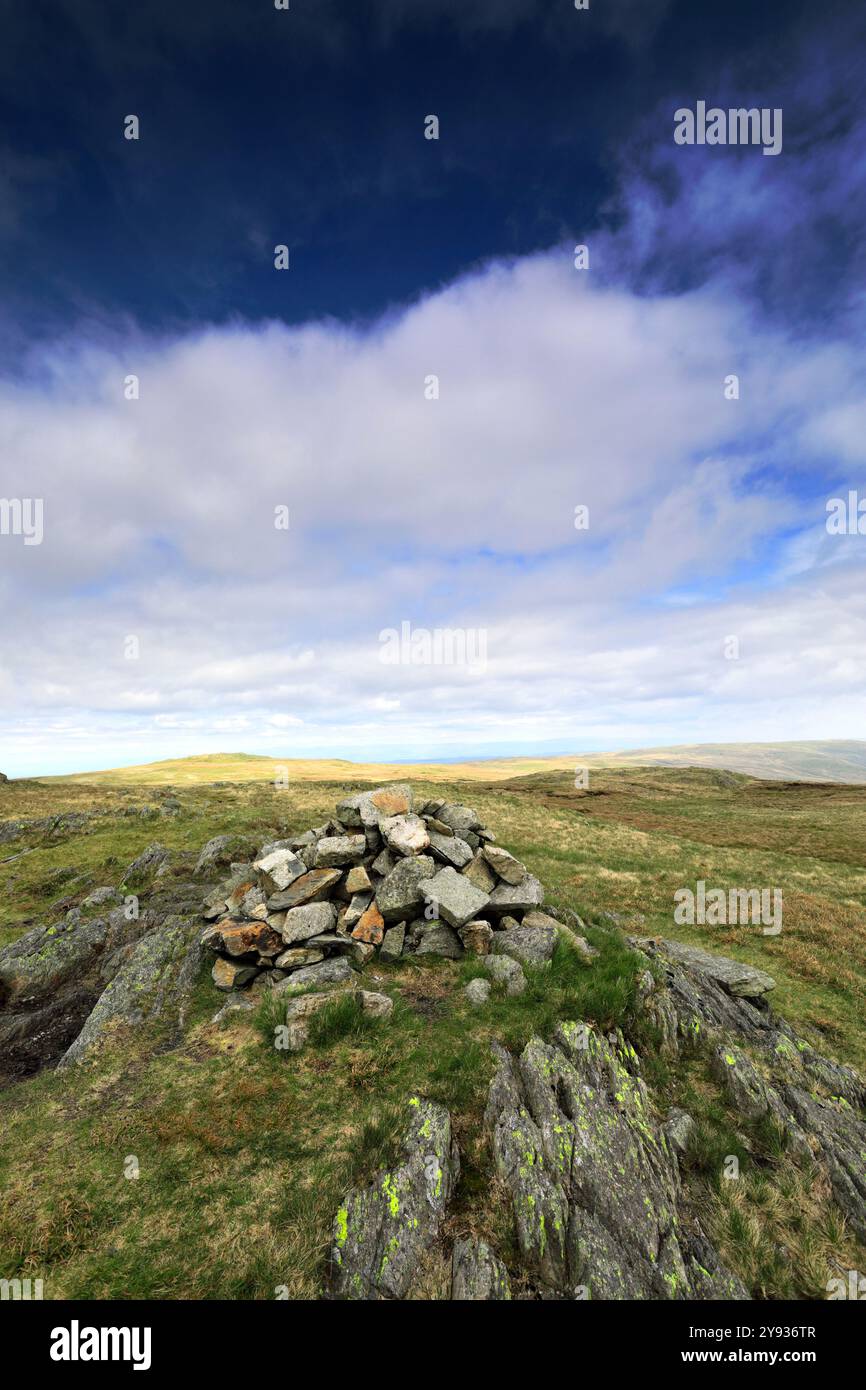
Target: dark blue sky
260 126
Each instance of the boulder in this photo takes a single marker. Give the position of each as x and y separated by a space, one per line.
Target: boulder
477 992
742 981
242 938
143 869
368 808
232 974
223 851
335 971
392 943
462 819
371 927
479 872
155 982
477 938
504 970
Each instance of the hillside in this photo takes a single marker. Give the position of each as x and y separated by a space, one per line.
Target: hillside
830 760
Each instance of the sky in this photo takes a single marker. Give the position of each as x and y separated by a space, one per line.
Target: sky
442 486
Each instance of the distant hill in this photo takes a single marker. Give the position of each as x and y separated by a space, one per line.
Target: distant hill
822 760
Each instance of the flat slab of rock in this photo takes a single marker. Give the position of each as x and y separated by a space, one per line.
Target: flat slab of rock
313 886
742 981
335 971
519 897
382 1231
456 899
370 927
450 849
480 873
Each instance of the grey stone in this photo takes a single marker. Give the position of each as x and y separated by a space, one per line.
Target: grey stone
100 896
520 897
392 943
440 940
457 900
505 971
375 1005
450 849
480 873
314 919
462 819
279 869
405 834
383 863
595 1188
678 1129
403 889
476 1273
334 971
140 872
531 945
223 851
504 865
339 850
297 956
477 991
356 909
381 1231
742 981
477 938
156 980
369 808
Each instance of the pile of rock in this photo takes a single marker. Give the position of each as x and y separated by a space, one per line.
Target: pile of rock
380 877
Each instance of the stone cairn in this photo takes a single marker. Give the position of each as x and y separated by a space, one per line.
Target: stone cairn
379 878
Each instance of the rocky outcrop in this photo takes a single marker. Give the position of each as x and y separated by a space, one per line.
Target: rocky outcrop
594 1183
155 982
382 1231
718 1006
